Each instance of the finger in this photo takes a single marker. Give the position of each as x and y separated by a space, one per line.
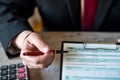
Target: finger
49 62
29 64
36 60
45 65
33 65
38 42
41 61
27 46
42 65
45 57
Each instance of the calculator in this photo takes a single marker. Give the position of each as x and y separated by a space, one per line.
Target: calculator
14 72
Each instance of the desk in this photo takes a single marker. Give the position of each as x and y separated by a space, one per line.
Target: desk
54 39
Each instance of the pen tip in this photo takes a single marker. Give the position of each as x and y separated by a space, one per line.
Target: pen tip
61 51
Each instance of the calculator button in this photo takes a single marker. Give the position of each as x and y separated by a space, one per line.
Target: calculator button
4 72
4 67
21 75
12 71
13 76
21 70
20 65
4 78
12 66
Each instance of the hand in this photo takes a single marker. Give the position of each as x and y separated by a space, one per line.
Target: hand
34 42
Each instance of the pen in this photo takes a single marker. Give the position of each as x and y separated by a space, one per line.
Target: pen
36 53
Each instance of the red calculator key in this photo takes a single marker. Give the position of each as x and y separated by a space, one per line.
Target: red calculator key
21 70
21 75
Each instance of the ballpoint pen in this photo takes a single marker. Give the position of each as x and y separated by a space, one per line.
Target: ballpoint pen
36 53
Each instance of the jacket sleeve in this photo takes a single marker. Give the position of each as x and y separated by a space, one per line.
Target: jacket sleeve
14 18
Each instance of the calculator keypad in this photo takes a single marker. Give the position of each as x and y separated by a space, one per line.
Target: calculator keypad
14 72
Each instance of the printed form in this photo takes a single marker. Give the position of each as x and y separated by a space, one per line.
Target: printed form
91 62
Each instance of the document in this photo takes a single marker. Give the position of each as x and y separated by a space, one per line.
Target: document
90 61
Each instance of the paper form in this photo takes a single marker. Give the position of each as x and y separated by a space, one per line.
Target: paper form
86 64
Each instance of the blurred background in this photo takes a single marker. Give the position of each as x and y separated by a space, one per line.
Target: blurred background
36 21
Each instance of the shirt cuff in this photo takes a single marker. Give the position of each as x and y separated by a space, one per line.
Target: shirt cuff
12 49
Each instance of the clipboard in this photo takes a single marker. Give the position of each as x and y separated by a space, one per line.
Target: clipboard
90 61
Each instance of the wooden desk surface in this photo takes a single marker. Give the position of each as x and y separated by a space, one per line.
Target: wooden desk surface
54 39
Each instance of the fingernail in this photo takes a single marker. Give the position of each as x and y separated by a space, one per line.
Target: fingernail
45 49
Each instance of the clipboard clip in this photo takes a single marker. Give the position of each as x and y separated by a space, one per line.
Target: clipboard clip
105 46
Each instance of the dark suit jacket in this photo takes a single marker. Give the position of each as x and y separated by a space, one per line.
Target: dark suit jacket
57 15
